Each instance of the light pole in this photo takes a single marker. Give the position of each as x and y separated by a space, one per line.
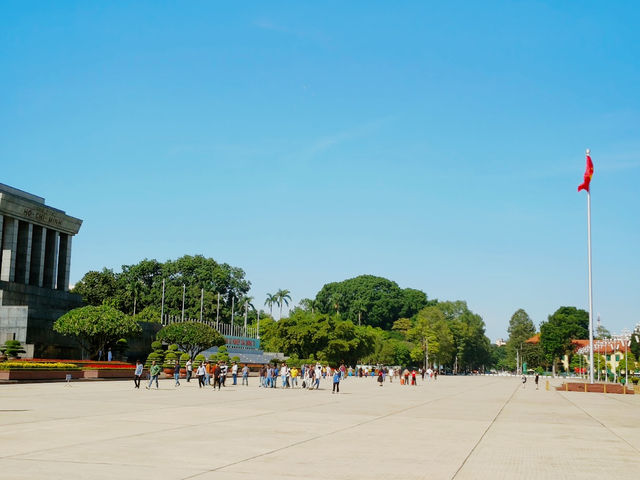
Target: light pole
184 290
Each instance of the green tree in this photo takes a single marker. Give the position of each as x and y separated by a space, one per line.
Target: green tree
282 297
191 337
97 288
308 304
566 324
270 302
433 337
97 328
139 286
375 300
521 328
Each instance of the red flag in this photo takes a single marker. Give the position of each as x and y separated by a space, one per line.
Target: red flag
588 173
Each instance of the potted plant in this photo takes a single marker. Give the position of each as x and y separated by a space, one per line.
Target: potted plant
12 349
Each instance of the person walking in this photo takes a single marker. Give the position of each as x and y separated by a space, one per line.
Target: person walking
200 374
176 373
524 380
109 355
234 373
223 373
380 379
536 380
336 381
138 374
413 377
317 376
245 375
294 377
189 368
154 371
391 373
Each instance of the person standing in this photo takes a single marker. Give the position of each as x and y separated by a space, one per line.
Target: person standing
223 373
536 380
109 355
336 381
216 376
207 373
391 373
138 374
380 379
413 377
189 368
200 374
524 380
317 376
154 371
294 376
283 374
245 375
234 373
176 373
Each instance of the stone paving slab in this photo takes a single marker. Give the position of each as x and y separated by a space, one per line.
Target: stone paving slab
455 428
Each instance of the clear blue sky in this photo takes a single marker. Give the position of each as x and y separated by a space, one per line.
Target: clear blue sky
438 144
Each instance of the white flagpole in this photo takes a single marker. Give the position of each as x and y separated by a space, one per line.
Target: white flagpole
162 307
201 303
218 313
184 289
590 284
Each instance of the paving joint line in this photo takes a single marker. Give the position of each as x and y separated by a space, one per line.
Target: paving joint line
301 442
270 412
595 419
485 432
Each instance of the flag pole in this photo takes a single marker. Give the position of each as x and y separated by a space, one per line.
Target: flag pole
590 284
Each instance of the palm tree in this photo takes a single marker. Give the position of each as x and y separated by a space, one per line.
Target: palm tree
336 299
282 296
308 304
271 299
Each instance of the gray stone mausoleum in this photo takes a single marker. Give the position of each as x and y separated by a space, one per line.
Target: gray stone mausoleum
35 262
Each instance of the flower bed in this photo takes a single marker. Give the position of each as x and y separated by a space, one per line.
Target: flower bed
37 366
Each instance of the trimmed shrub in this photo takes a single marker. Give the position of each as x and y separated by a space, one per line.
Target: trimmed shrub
12 348
183 359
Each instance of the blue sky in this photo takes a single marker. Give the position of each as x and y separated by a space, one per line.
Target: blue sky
439 144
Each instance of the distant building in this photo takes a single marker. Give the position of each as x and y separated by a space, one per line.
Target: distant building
35 263
500 342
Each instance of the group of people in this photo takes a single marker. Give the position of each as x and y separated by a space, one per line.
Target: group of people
306 377
204 372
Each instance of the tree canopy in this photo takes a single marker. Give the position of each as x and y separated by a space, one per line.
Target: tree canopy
97 328
191 337
324 337
139 286
521 328
564 325
375 300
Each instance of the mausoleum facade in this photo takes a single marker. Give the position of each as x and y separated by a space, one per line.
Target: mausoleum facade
35 262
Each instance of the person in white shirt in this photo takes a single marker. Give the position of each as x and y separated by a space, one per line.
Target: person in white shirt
391 372
234 373
200 374
138 374
284 371
189 367
318 375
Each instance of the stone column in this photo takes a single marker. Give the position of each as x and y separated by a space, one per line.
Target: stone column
36 271
23 252
9 246
64 262
50 259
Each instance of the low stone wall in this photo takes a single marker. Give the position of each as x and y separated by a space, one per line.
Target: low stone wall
109 373
595 388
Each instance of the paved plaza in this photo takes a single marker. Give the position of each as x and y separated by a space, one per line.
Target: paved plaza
457 427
